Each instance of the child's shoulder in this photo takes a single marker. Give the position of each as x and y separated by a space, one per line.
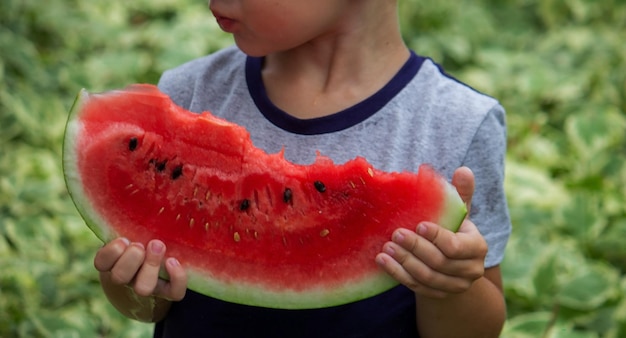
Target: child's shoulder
217 67
445 87
438 101
217 60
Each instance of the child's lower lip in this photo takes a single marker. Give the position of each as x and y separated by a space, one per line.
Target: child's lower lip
225 24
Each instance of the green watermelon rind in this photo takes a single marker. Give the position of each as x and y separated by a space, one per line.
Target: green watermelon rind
72 177
292 300
454 210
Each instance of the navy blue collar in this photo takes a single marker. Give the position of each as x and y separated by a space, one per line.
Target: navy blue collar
331 123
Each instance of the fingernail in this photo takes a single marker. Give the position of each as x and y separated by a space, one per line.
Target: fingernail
138 244
389 250
156 247
398 237
421 229
125 240
380 260
173 262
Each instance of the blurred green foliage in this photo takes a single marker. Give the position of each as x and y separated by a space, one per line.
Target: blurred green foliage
559 67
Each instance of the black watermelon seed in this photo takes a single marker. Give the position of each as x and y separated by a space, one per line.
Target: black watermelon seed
160 166
133 143
245 204
319 186
287 195
176 173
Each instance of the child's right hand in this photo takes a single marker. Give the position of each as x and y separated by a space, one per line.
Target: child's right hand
133 265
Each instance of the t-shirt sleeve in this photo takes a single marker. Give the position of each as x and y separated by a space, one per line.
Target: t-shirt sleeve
486 158
175 83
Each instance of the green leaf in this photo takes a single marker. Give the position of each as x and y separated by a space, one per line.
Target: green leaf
545 279
583 217
530 325
528 185
592 132
590 289
610 246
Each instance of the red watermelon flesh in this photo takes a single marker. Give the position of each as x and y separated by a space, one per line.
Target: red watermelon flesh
250 227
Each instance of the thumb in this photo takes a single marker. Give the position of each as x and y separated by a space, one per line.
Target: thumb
463 181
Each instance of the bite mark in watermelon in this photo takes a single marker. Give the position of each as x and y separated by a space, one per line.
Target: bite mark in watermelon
249 227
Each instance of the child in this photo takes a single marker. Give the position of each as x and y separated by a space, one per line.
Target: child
335 76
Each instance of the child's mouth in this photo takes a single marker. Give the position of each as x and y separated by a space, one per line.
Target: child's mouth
226 24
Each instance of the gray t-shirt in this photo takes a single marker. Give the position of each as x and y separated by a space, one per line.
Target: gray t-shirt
422 116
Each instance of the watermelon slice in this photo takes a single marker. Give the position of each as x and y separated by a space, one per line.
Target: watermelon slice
248 226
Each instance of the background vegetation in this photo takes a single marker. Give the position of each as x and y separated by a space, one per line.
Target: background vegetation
557 66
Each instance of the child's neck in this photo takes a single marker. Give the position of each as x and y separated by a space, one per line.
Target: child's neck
327 76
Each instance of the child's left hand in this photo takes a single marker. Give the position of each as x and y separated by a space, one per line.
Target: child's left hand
433 261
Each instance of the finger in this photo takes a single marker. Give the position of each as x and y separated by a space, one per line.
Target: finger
466 244
418 276
109 254
126 267
175 288
445 240
463 181
148 275
399 273
419 248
